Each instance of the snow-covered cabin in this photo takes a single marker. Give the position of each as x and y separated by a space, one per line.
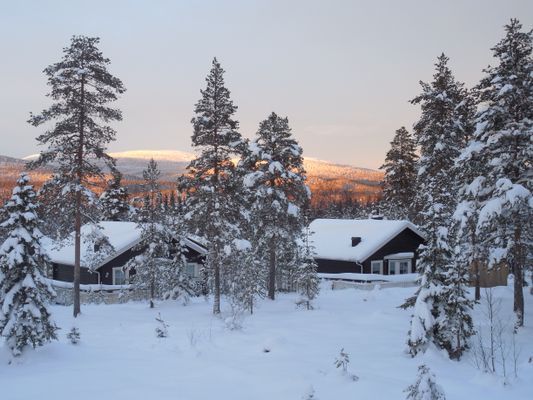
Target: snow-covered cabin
367 246
106 267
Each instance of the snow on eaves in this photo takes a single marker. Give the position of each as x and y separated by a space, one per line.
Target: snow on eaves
332 238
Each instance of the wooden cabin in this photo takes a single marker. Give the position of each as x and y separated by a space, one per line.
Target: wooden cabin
366 246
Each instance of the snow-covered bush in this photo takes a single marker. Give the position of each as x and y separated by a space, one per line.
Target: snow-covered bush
74 335
425 387
161 330
342 362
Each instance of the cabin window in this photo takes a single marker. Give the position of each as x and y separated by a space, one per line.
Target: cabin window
191 269
397 267
119 276
376 267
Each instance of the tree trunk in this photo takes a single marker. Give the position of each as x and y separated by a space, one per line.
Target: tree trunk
518 305
152 284
77 256
216 270
272 270
518 271
77 227
477 281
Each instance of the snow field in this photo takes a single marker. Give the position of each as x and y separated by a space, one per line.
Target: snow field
279 354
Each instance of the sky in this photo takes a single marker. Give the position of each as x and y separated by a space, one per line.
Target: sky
343 72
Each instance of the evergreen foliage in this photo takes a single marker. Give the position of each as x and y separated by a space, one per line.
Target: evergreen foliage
308 282
245 277
212 185
275 176
81 88
425 387
114 200
24 291
399 185
499 195
74 335
439 134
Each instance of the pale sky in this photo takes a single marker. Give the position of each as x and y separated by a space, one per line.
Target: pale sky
342 71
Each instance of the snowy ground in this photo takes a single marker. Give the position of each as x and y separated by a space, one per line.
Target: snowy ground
279 354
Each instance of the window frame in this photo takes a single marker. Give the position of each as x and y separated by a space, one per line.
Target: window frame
380 267
395 265
113 276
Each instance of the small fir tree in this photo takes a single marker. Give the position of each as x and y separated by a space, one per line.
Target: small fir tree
74 335
425 387
24 291
342 361
308 282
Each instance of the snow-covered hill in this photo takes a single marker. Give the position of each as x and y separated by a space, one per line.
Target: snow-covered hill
173 162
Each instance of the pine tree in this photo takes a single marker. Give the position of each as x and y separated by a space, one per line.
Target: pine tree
24 292
177 283
440 140
399 185
114 200
503 148
456 326
246 283
308 282
152 266
211 185
81 87
425 387
276 178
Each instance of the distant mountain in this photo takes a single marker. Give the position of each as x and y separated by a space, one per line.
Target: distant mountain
173 163
323 177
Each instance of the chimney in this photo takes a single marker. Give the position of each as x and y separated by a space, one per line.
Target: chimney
355 241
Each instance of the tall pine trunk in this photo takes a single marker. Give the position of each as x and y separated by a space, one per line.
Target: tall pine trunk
77 256
77 227
477 281
272 269
517 269
216 271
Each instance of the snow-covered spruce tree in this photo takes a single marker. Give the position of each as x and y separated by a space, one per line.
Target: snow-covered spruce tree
425 387
456 326
276 179
211 183
177 283
503 146
440 142
24 291
308 282
151 267
113 201
399 184
81 88
246 276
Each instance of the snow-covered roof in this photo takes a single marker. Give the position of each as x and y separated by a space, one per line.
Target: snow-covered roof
332 238
121 235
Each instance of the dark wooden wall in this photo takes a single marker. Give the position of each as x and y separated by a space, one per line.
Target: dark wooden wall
65 273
